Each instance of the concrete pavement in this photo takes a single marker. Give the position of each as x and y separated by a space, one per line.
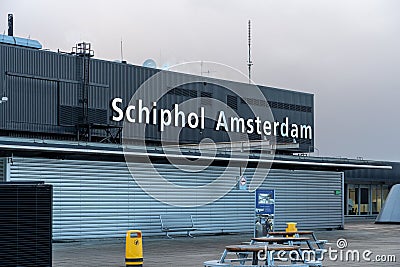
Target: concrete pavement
382 240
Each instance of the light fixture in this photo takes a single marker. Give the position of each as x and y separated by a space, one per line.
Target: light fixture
3 99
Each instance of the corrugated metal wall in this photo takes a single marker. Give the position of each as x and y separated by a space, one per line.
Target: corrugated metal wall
100 199
48 83
306 197
3 169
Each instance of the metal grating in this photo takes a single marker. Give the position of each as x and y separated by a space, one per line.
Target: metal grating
25 225
231 101
206 98
97 116
275 104
70 115
3 169
183 92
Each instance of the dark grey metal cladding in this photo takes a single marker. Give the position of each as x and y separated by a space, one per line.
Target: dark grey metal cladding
297 106
44 93
374 176
30 79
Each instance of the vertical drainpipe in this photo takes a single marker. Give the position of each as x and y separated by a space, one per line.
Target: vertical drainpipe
343 196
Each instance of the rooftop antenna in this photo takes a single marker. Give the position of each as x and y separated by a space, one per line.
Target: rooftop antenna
10 24
122 54
202 72
249 62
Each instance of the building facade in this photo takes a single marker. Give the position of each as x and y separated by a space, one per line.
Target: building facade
58 126
366 190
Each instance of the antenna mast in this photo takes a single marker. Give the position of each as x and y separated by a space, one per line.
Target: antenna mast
249 62
122 54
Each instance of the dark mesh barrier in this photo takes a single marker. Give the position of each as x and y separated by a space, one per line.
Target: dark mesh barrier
25 224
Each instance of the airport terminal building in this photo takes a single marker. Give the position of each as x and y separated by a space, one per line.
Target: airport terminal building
59 124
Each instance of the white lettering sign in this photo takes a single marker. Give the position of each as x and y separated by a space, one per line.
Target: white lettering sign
177 118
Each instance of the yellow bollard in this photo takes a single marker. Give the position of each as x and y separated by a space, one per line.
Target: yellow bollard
134 248
291 227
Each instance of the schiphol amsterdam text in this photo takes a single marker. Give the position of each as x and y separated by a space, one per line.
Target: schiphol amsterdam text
140 113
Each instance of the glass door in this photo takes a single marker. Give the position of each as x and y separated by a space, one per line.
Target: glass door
364 200
376 191
385 192
352 200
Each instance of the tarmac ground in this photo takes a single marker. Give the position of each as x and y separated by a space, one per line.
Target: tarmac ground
382 240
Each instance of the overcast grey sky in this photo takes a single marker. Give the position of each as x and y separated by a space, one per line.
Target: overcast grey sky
346 52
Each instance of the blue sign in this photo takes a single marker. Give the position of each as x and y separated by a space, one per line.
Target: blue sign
265 201
242 183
